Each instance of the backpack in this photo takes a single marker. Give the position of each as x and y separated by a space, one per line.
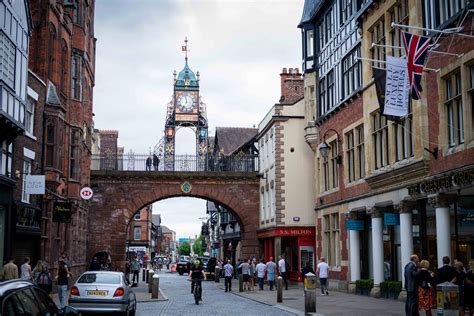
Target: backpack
44 278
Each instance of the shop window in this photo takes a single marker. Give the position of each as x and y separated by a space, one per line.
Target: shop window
380 140
454 109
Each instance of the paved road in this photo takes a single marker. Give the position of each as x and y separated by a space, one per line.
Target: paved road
215 301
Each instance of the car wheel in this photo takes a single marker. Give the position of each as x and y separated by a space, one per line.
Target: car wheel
134 310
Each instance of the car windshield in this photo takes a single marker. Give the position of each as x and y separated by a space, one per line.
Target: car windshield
103 278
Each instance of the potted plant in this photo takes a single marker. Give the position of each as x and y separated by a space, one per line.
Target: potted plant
394 289
359 287
367 285
384 289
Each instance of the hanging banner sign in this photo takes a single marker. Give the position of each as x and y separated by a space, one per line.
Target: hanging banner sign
34 184
397 87
62 212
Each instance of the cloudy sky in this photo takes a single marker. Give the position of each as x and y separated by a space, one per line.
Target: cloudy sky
238 46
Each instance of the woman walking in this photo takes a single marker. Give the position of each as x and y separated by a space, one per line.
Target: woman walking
37 270
63 278
425 280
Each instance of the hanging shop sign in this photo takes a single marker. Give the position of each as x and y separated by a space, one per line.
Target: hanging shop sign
86 193
354 224
62 212
34 184
442 183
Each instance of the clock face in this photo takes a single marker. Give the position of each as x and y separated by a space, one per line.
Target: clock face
186 102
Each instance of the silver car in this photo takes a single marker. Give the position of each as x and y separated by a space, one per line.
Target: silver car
103 292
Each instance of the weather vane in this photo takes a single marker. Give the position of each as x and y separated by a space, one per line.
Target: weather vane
185 48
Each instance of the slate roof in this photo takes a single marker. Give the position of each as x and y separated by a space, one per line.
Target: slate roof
165 229
309 9
156 219
231 139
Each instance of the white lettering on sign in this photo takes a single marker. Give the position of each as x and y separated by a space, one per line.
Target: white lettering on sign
86 193
34 184
397 87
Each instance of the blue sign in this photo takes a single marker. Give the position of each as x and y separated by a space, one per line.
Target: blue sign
354 224
391 219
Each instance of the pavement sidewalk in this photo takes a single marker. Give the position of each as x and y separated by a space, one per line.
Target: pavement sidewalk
336 303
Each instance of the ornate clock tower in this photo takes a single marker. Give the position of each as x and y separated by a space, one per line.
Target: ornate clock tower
186 110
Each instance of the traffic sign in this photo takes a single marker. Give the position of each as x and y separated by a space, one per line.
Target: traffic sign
86 193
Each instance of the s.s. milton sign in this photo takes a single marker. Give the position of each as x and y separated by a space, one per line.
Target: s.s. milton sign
441 183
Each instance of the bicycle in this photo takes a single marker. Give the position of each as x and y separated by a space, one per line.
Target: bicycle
197 290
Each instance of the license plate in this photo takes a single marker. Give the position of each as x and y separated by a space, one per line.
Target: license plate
97 293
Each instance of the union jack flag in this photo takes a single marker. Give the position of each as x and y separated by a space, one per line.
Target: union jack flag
416 48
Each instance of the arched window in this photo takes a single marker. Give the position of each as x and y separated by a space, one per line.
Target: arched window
51 50
64 66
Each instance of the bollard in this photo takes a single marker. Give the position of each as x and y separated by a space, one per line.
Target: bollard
147 274
155 281
143 275
149 277
309 293
279 289
217 273
241 282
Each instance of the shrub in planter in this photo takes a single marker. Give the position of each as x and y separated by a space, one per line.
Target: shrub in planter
384 289
358 286
367 285
394 288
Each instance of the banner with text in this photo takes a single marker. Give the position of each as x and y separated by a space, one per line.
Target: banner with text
397 87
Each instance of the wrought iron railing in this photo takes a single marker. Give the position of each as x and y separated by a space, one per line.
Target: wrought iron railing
210 163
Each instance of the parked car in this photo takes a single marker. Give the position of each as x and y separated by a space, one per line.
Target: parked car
103 292
183 267
20 297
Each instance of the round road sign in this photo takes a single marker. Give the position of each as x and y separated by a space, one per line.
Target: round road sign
86 193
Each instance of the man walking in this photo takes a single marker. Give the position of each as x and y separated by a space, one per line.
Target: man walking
261 267
228 273
271 272
10 270
323 272
282 269
135 267
411 272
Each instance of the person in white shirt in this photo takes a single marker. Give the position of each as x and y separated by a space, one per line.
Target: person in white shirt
228 273
260 268
282 270
323 273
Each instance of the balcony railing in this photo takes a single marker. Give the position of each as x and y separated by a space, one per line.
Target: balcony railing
186 163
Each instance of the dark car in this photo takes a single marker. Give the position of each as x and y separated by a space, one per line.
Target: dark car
20 297
183 267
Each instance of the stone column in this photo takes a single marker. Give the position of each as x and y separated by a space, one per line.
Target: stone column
443 228
354 259
406 233
377 250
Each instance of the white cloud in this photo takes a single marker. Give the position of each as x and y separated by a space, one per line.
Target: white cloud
238 46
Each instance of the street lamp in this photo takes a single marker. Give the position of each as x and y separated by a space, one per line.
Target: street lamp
324 148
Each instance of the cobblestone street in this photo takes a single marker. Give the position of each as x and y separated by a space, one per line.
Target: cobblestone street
215 301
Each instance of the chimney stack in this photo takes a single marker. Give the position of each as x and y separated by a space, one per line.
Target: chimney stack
290 74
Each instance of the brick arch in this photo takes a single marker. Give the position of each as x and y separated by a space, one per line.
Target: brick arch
119 194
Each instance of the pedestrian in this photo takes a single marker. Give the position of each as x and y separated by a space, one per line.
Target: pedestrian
271 272
411 272
425 281
156 162
323 272
95 265
245 270
460 280
135 267
253 273
261 269
469 288
10 270
45 279
386 269
228 273
63 281
148 164
307 269
282 270
238 270
37 270
446 273
65 258
26 273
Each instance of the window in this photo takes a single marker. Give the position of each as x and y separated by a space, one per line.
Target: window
29 116
328 22
51 51
76 80
351 72
322 96
403 136
454 109
355 158
7 60
74 159
77 13
6 153
471 92
50 145
137 215
331 239
380 140
330 90
330 166
398 15
137 233
377 35
438 12
64 66
346 10
26 171
309 43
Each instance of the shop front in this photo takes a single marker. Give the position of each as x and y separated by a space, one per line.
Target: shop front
296 243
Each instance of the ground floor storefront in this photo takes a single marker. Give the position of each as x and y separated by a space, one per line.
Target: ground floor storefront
296 243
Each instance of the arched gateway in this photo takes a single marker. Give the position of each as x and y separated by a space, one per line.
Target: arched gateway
119 194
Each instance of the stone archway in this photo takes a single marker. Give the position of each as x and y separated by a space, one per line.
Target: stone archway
119 194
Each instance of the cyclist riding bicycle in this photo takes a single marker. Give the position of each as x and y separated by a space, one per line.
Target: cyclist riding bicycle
196 274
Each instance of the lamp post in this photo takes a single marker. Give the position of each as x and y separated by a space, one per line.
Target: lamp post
324 148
